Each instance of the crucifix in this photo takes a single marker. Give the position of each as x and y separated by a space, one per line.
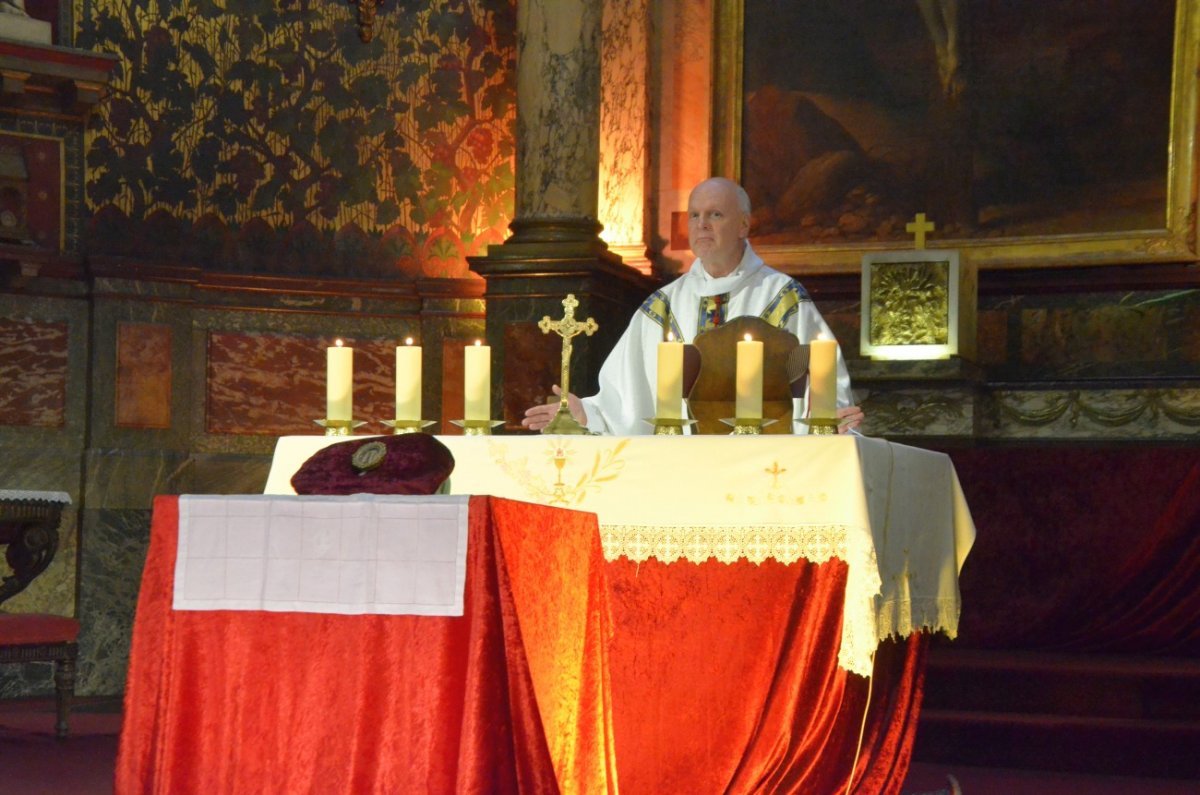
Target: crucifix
919 227
567 328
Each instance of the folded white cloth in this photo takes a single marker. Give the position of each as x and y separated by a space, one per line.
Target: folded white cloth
358 554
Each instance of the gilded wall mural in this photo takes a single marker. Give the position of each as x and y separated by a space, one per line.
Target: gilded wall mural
265 136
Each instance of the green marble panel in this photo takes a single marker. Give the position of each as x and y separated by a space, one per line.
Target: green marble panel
110 576
129 479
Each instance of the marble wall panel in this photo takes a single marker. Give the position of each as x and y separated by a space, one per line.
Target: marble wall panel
125 479
992 346
452 385
33 370
845 323
273 384
1066 337
110 576
143 384
446 319
1189 341
214 473
532 364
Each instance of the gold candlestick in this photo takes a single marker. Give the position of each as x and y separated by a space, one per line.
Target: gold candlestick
340 427
670 426
747 426
477 427
407 426
822 426
567 328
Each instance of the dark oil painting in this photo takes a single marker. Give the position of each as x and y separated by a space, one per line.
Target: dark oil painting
997 118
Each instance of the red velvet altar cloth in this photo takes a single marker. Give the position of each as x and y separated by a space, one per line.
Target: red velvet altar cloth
725 680
510 697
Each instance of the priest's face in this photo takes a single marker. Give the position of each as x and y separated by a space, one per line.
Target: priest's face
717 226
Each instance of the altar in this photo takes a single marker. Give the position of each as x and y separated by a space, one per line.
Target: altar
752 581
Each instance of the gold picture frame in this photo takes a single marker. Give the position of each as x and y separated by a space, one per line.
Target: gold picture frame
1172 241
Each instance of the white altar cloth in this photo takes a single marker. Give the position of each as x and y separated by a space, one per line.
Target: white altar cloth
895 514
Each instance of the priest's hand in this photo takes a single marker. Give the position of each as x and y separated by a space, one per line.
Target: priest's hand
539 417
849 418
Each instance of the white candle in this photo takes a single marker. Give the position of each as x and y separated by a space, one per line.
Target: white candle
670 379
822 379
408 381
339 382
477 382
749 379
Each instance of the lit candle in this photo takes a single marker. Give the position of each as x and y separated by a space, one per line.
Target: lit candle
339 382
477 382
749 379
408 381
670 379
822 379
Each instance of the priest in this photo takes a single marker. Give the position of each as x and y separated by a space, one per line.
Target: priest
727 280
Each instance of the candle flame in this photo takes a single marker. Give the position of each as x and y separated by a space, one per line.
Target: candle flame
749 338
338 342
478 343
670 336
408 340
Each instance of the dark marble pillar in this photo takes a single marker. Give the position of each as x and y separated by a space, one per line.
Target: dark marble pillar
555 248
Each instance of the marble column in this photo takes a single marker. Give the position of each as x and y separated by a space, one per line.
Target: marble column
555 248
558 121
624 129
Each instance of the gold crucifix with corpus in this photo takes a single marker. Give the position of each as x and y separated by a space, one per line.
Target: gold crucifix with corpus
568 328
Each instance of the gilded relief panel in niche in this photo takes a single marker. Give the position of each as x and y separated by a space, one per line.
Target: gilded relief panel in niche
33 369
269 384
912 303
269 137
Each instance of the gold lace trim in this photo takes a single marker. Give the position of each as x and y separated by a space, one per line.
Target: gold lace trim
816 543
900 618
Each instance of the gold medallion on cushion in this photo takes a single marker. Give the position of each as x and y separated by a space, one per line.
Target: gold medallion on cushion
369 456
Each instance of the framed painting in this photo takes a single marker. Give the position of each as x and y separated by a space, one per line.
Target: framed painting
1032 132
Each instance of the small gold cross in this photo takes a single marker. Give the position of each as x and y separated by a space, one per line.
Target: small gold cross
919 226
774 472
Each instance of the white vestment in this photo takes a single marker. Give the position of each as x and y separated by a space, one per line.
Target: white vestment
627 380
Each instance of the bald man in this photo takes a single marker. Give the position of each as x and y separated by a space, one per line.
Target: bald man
726 281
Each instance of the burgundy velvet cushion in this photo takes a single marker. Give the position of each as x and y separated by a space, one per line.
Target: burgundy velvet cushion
22 629
413 463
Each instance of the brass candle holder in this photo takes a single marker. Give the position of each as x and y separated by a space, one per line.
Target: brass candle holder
747 426
477 427
407 426
822 426
340 427
669 426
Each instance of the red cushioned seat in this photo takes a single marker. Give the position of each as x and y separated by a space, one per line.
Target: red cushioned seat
20 629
